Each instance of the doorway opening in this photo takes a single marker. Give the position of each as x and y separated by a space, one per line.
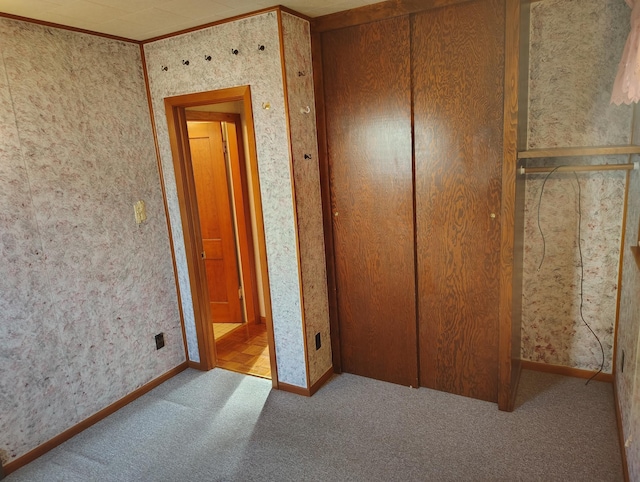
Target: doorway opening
213 147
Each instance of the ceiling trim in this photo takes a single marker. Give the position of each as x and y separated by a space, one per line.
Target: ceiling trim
66 27
277 8
210 24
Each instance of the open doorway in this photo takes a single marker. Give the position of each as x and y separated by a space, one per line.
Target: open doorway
213 147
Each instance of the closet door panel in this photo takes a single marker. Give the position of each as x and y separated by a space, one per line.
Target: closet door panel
457 67
368 109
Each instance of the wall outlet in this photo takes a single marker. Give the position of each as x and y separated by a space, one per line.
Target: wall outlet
159 340
318 341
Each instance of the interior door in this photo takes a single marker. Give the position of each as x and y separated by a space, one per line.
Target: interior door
216 220
458 65
368 105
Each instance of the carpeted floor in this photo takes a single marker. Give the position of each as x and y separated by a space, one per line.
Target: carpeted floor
222 426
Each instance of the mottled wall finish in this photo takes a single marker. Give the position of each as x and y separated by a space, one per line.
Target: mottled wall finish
574 54
627 382
297 54
262 70
552 329
83 289
574 51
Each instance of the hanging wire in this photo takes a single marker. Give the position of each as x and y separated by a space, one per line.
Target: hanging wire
544 249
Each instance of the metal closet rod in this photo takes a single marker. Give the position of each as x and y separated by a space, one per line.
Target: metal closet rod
601 167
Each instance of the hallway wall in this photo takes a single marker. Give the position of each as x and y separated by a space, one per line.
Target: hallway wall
262 70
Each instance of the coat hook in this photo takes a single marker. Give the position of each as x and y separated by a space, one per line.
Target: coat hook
301 73
305 110
307 156
185 62
261 48
165 68
207 58
235 51
266 105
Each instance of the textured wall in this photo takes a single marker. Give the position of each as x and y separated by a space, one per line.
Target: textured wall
574 51
262 70
297 53
552 329
627 382
83 289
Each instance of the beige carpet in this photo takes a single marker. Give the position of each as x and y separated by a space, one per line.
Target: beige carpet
226 427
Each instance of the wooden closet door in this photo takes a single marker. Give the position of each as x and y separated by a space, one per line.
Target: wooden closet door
458 67
368 109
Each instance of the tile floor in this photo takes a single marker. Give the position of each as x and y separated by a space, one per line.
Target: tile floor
245 350
223 329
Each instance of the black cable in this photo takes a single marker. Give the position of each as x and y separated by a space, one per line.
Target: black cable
544 247
582 278
544 241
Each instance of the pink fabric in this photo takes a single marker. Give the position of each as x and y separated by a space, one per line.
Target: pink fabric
626 88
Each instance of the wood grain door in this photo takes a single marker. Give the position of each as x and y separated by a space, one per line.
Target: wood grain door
458 64
216 220
368 110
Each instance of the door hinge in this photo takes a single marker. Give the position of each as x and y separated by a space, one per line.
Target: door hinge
204 255
224 144
240 293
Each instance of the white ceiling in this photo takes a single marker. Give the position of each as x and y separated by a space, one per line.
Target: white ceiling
144 19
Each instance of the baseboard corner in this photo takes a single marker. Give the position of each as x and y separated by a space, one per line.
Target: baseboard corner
566 371
285 387
321 381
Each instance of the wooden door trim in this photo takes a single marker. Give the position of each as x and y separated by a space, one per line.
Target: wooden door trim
195 115
325 193
509 364
375 12
243 220
177 129
178 137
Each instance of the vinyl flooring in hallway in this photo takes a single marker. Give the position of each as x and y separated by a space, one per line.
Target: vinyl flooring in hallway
245 350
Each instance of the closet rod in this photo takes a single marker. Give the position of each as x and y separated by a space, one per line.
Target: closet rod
601 167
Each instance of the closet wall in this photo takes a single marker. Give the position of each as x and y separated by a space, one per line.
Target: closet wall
570 79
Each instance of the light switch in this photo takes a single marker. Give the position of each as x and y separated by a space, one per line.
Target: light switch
140 211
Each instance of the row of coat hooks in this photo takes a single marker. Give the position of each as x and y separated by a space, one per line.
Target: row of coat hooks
234 51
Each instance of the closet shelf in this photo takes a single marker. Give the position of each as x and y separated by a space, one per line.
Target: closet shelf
578 151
